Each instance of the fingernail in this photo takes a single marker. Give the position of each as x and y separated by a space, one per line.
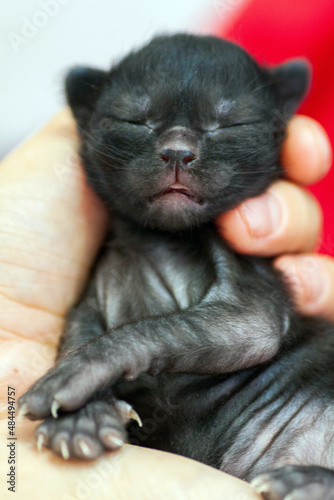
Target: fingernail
262 215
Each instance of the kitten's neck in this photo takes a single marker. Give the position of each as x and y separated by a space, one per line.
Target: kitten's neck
123 227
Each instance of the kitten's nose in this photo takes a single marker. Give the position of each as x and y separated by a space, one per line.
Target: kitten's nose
177 157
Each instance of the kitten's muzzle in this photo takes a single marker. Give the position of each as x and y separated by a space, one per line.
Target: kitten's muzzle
178 146
176 157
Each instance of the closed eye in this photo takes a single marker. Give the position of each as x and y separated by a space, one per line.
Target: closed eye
138 123
134 122
234 125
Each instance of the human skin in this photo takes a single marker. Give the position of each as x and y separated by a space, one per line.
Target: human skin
51 227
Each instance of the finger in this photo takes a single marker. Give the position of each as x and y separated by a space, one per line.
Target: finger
128 474
306 153
311 278
284 219
51 225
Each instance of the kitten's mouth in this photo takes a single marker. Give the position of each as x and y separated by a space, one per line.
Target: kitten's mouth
178 191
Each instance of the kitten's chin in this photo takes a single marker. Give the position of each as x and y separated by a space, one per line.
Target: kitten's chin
177 200
174 211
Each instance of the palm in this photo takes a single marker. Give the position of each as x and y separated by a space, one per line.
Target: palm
51 226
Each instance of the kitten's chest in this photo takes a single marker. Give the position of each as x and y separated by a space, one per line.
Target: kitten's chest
151 275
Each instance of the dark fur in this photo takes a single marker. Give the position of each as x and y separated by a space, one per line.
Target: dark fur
204 343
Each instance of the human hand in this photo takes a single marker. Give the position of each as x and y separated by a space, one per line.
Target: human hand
51 226
287 220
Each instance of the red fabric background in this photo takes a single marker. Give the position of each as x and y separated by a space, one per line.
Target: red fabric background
275 31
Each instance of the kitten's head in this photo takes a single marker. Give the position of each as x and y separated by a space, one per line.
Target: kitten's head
183 129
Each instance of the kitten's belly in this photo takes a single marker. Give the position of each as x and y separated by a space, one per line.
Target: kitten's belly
243 423
135 283
298 433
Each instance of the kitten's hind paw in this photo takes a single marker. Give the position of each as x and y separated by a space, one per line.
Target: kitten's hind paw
296 483
85 433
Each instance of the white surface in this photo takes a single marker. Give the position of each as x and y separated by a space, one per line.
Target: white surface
42 39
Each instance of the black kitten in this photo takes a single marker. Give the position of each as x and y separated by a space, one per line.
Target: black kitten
203 343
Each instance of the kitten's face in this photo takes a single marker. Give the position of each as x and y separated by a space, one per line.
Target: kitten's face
181 131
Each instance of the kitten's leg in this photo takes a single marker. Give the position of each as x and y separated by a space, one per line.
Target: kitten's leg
100 424
296 483
84 322
213 338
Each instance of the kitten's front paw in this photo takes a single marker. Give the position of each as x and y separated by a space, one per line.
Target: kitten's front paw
86 433
44 398
296 483
67 386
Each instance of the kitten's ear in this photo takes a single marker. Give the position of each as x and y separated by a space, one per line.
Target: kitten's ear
291 82
83 87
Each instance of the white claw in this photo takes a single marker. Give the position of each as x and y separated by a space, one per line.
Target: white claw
126 412
260 485
84 448
54 408
40 441
23 410
113 441
64 450
133 415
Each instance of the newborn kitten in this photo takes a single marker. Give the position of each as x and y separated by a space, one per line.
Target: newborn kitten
203 343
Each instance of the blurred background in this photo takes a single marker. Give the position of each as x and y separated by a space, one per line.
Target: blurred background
42 39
